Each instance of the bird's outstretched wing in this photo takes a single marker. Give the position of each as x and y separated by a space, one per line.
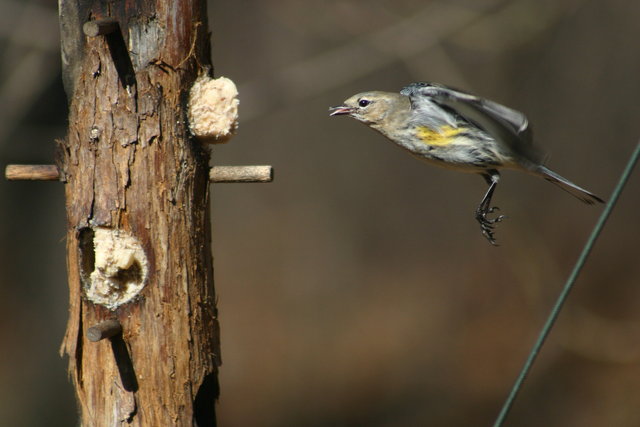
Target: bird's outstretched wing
503 123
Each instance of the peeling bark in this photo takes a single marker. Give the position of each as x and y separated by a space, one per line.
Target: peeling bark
129 164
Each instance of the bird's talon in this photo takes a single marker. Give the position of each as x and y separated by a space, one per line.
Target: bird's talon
487 225
488 234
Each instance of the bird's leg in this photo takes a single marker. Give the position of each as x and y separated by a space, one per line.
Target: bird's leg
487 224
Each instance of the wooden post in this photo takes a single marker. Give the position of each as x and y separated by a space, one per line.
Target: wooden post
137 200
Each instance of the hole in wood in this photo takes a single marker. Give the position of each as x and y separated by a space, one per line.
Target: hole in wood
113 266
87 256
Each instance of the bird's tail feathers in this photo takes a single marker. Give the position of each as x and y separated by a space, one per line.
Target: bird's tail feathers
568 186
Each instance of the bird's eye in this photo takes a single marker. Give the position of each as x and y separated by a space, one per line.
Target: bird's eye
364 102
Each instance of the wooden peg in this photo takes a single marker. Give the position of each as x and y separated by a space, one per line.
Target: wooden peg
241 174
102 330
99 27
218 174
31 173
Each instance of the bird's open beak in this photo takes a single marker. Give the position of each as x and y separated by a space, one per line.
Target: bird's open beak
340 110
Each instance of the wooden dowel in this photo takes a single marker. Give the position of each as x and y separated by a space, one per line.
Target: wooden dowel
31 172
241 174
99 27
218 174
102 330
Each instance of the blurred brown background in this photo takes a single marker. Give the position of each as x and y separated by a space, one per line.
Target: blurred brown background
357 290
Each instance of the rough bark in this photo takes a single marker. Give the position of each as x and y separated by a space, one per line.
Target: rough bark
129 164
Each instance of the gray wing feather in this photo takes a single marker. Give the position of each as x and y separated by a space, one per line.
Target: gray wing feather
503 123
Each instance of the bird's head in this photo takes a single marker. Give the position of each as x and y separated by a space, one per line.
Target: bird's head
372 108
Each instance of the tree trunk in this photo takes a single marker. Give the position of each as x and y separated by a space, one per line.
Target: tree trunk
137 198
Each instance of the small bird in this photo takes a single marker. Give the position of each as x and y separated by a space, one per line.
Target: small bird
460 131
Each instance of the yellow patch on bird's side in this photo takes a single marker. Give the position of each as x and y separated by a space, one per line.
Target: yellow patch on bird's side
444 136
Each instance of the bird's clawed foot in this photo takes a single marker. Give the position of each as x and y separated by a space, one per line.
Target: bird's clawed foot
487 225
